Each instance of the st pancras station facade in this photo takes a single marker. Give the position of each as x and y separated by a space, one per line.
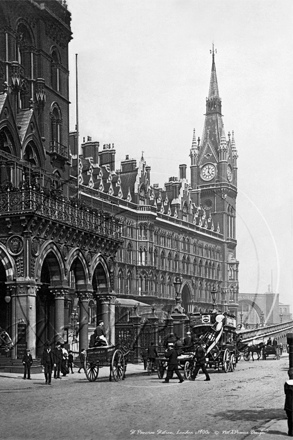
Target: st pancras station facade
81 240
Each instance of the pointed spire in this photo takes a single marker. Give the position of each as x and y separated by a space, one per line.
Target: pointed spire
194 143
214 89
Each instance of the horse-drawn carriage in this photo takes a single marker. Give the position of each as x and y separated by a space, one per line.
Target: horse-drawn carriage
217 332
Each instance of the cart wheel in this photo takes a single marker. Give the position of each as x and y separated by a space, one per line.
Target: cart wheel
226 360
117 365
187 370
232 362
91 370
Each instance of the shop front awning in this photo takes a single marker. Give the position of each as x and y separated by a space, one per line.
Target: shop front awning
126 302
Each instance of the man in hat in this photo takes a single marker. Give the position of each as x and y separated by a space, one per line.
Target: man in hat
200 355
171 355
27 361
57 360
47 362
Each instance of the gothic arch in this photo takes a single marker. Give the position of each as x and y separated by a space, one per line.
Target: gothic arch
100 268
77 263
8 264
55 262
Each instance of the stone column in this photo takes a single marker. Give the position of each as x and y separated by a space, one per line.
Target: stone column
112 320
23 310
59 295
31 319
83 320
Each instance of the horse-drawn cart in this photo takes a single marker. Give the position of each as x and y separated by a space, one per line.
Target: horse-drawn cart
105 356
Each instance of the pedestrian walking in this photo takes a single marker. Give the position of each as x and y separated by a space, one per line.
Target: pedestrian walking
70 361
27 361
47 362
200 355
64 363
57 360
82 359
288 389
171 355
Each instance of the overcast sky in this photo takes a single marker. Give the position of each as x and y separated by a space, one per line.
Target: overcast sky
144 70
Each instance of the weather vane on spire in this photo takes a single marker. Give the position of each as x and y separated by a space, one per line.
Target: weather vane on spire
213 50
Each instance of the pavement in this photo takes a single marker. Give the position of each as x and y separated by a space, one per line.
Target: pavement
103 372
274 429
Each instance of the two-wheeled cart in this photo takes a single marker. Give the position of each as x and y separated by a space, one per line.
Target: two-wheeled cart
105 356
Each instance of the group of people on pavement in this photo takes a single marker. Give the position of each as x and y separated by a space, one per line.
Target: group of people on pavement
58 361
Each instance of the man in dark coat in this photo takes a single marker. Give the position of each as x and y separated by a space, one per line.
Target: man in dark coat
152 354
57 360
27 361
171 355
187 341
200 354
48 362
288 389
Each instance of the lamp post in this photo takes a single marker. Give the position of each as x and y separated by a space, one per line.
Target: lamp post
281 318
214 295
262 319
177 284
241 317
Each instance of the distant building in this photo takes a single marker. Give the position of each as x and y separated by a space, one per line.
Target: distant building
284 313
261 308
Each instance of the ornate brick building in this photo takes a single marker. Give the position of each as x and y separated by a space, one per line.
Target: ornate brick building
55 253
185 228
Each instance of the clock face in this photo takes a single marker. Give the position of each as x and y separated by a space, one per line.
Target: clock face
229 173
208 172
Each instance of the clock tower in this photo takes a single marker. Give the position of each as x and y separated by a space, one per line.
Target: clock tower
214 180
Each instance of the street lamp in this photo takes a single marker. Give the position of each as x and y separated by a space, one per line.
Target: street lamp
177 284
214 295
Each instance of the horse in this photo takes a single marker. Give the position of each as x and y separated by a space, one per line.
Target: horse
5 340
251 349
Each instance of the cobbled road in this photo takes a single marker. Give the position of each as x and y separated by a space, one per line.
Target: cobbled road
231 406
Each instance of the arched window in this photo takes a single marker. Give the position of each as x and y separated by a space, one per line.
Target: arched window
170 261
56 125
129 253
55 70
176 263
120 281
187 265
194 267
129 282
162 286
163 260
155 258
183 264
25 57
